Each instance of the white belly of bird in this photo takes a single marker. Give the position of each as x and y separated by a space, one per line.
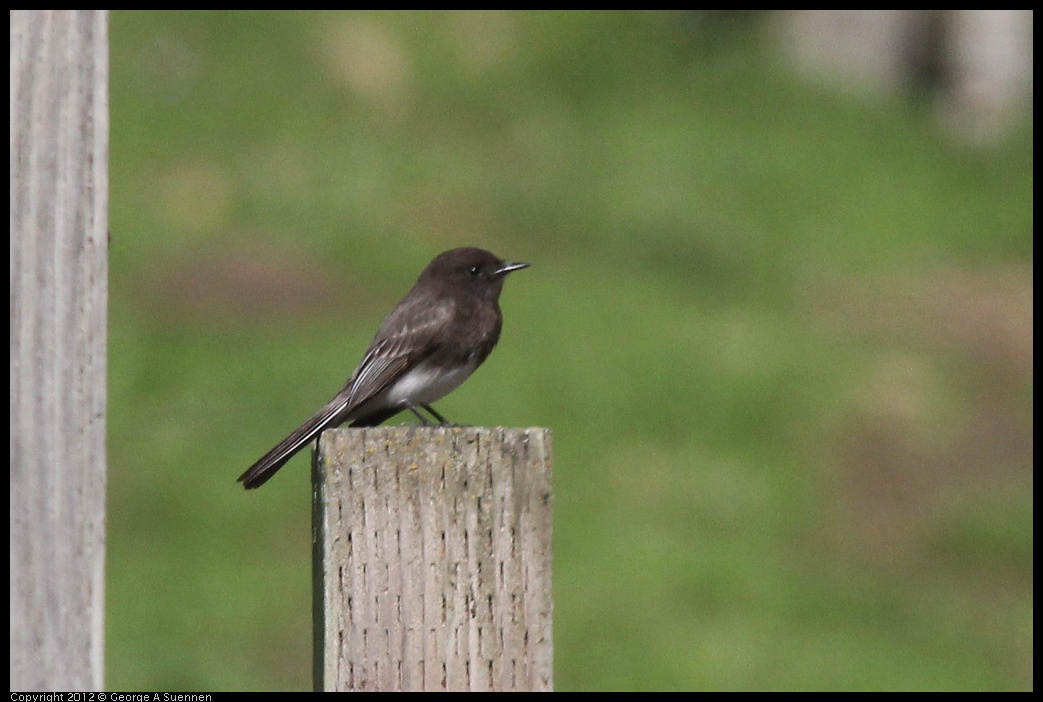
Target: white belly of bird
425 385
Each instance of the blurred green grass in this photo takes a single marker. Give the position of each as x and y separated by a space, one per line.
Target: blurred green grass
783 339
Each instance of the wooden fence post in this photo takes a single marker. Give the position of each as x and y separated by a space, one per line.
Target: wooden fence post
59 293
433 559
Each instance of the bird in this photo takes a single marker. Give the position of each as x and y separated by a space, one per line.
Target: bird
431 342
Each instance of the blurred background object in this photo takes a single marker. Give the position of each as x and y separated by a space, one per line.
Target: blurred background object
973 67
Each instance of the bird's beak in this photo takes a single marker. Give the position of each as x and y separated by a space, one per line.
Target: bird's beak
508 267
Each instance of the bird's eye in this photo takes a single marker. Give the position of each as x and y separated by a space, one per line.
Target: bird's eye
475 271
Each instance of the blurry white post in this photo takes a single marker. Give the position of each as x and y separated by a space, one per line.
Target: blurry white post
59 290
991 57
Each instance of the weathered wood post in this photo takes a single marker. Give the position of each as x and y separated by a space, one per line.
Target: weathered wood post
59 209
433 559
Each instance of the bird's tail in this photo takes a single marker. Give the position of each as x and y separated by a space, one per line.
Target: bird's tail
269 464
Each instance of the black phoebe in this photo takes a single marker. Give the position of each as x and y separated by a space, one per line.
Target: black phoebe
430 343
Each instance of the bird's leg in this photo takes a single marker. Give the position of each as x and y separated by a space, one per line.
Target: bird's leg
441 420
423 420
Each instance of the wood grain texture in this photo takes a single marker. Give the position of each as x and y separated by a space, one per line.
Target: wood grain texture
59 295
433 559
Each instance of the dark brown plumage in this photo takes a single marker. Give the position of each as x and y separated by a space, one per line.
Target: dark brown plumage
440 332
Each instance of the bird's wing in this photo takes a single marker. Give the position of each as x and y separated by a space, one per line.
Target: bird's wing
389 356
393 353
